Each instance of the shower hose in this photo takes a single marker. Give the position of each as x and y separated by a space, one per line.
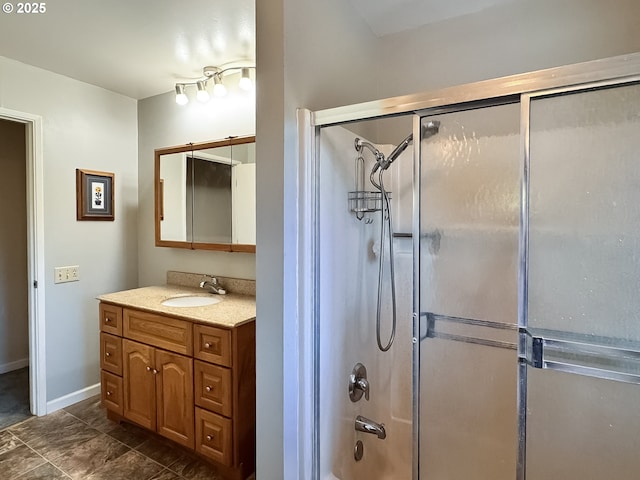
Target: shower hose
386 225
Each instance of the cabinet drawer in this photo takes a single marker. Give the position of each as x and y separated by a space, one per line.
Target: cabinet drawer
111 392
214 437
164 332
213 388
111 353
111 319
212 344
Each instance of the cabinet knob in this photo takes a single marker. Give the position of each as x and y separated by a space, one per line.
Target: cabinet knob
108 394
107 354
155 372
148 368
209 438
107 319
207 388
207 345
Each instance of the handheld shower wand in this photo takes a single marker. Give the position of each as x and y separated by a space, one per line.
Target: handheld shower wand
381 164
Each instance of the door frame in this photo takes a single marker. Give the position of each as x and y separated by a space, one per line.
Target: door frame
35 256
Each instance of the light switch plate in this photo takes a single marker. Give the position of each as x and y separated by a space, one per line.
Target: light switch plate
66 274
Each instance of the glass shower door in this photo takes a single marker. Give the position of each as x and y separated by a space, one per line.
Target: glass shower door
583 285
469 194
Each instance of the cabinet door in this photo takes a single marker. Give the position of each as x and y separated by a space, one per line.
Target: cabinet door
139 383
174 392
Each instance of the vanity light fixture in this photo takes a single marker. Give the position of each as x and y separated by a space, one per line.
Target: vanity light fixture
181 97
245 80
203 94
219 88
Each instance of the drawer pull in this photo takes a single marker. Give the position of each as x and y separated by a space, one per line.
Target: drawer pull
207 345
208 388
107 319
148 368
108 394
209 438
107 354
155 372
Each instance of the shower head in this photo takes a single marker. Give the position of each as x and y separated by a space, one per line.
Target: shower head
402 146
429 129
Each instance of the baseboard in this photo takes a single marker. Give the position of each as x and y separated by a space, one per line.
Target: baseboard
11 366
73 397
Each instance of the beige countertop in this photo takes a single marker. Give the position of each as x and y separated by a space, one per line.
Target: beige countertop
232 310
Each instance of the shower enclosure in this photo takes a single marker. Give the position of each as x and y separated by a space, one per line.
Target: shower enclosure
517 271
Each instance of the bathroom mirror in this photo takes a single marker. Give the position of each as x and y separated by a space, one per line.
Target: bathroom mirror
205 195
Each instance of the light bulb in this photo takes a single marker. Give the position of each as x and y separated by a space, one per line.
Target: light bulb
219 90
181 97
202 95
245 80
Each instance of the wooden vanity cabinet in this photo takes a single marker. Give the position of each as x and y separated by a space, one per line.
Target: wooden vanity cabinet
191 383
158 389
225 374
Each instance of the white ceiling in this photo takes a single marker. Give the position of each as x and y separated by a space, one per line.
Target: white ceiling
392 16
141 48
138 48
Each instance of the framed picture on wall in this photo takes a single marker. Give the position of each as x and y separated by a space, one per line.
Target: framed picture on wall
94 195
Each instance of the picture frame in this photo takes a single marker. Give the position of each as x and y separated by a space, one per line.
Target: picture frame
94 195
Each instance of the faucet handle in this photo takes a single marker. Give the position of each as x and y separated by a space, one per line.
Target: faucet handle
358 384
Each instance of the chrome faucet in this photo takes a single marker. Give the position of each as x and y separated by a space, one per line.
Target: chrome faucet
212 285
363 424
358 383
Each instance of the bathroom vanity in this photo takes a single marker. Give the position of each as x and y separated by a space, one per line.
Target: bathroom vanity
184 372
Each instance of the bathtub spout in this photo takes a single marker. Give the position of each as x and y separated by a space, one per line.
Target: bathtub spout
365 425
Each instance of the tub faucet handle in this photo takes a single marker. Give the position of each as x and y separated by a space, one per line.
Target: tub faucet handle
358 383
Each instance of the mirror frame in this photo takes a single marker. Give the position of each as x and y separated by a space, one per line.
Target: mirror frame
223 247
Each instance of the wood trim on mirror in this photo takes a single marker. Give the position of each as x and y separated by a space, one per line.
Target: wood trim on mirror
159 195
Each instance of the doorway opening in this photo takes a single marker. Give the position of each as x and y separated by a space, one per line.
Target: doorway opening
22 350
14 328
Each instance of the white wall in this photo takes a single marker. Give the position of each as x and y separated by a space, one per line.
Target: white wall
516 37
319 55
309 54
14 326
163 123
91 128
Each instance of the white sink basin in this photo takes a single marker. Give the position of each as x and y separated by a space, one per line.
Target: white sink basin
191 301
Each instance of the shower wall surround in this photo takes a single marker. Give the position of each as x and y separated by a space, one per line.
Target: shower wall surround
348 286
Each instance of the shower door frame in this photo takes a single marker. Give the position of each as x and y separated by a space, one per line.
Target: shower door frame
532 348
516 88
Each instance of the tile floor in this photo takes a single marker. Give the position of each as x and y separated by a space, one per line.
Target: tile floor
80 443
14 397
